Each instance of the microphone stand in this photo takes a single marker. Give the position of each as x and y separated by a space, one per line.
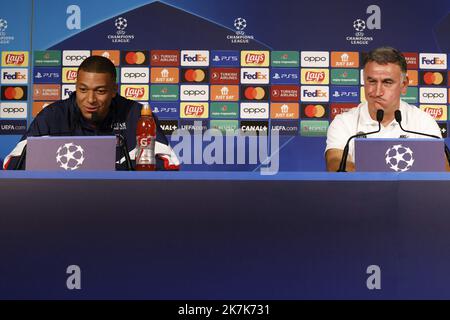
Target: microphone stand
398 118
343 164
124 148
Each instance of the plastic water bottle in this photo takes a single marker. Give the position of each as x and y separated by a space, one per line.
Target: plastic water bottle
145 140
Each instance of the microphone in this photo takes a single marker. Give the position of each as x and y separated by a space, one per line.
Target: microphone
122 143
343 164
398 118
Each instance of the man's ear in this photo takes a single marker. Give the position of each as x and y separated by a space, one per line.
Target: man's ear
115 89
405 84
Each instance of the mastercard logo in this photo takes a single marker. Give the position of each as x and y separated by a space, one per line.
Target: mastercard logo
254 93
433 78
135 57
194 75
14 93
314 111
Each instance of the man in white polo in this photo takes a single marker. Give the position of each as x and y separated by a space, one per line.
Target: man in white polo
385 80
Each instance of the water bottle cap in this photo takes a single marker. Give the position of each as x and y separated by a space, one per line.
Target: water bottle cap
146 111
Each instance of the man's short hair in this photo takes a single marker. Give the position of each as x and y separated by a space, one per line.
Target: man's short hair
98 64
385 55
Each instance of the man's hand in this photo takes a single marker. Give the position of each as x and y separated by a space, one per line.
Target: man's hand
333 158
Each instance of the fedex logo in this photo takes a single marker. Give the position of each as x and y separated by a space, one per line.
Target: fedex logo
314 93
255 75
14 76
67 90
433 61
194 58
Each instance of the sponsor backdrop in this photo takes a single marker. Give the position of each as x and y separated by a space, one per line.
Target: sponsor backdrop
254 66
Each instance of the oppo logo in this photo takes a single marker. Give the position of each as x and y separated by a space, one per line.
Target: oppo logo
75 58
254 110
13 110
135 75
194 92
433 95
314 59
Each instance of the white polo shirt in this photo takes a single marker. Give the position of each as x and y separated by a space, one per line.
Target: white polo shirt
358 120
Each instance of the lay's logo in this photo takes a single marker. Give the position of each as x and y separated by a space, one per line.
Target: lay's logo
255 58
193 110
71 75
14 58
135 92
438 112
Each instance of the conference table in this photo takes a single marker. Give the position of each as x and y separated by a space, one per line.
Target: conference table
224 235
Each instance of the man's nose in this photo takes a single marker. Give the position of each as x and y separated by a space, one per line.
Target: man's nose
379 90
91 96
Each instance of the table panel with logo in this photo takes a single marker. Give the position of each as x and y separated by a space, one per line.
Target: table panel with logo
222 235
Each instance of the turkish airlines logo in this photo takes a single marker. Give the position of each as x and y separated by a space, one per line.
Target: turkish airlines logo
134 75
46 92
224 76
284 93
165 58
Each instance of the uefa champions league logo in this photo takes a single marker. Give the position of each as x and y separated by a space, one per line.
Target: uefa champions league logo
121 35
399 158
121 23
3 25
70 156
240 24
359 25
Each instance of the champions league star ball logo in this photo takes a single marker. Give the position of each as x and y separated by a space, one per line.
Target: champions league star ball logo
399 158
359 25
70 156
240 24
121 23
3 25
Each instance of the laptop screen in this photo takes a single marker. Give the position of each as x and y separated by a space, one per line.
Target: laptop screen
71 153
399 155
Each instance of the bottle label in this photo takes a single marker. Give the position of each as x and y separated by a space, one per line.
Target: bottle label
145 150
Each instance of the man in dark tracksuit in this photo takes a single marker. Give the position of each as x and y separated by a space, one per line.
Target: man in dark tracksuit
95 109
